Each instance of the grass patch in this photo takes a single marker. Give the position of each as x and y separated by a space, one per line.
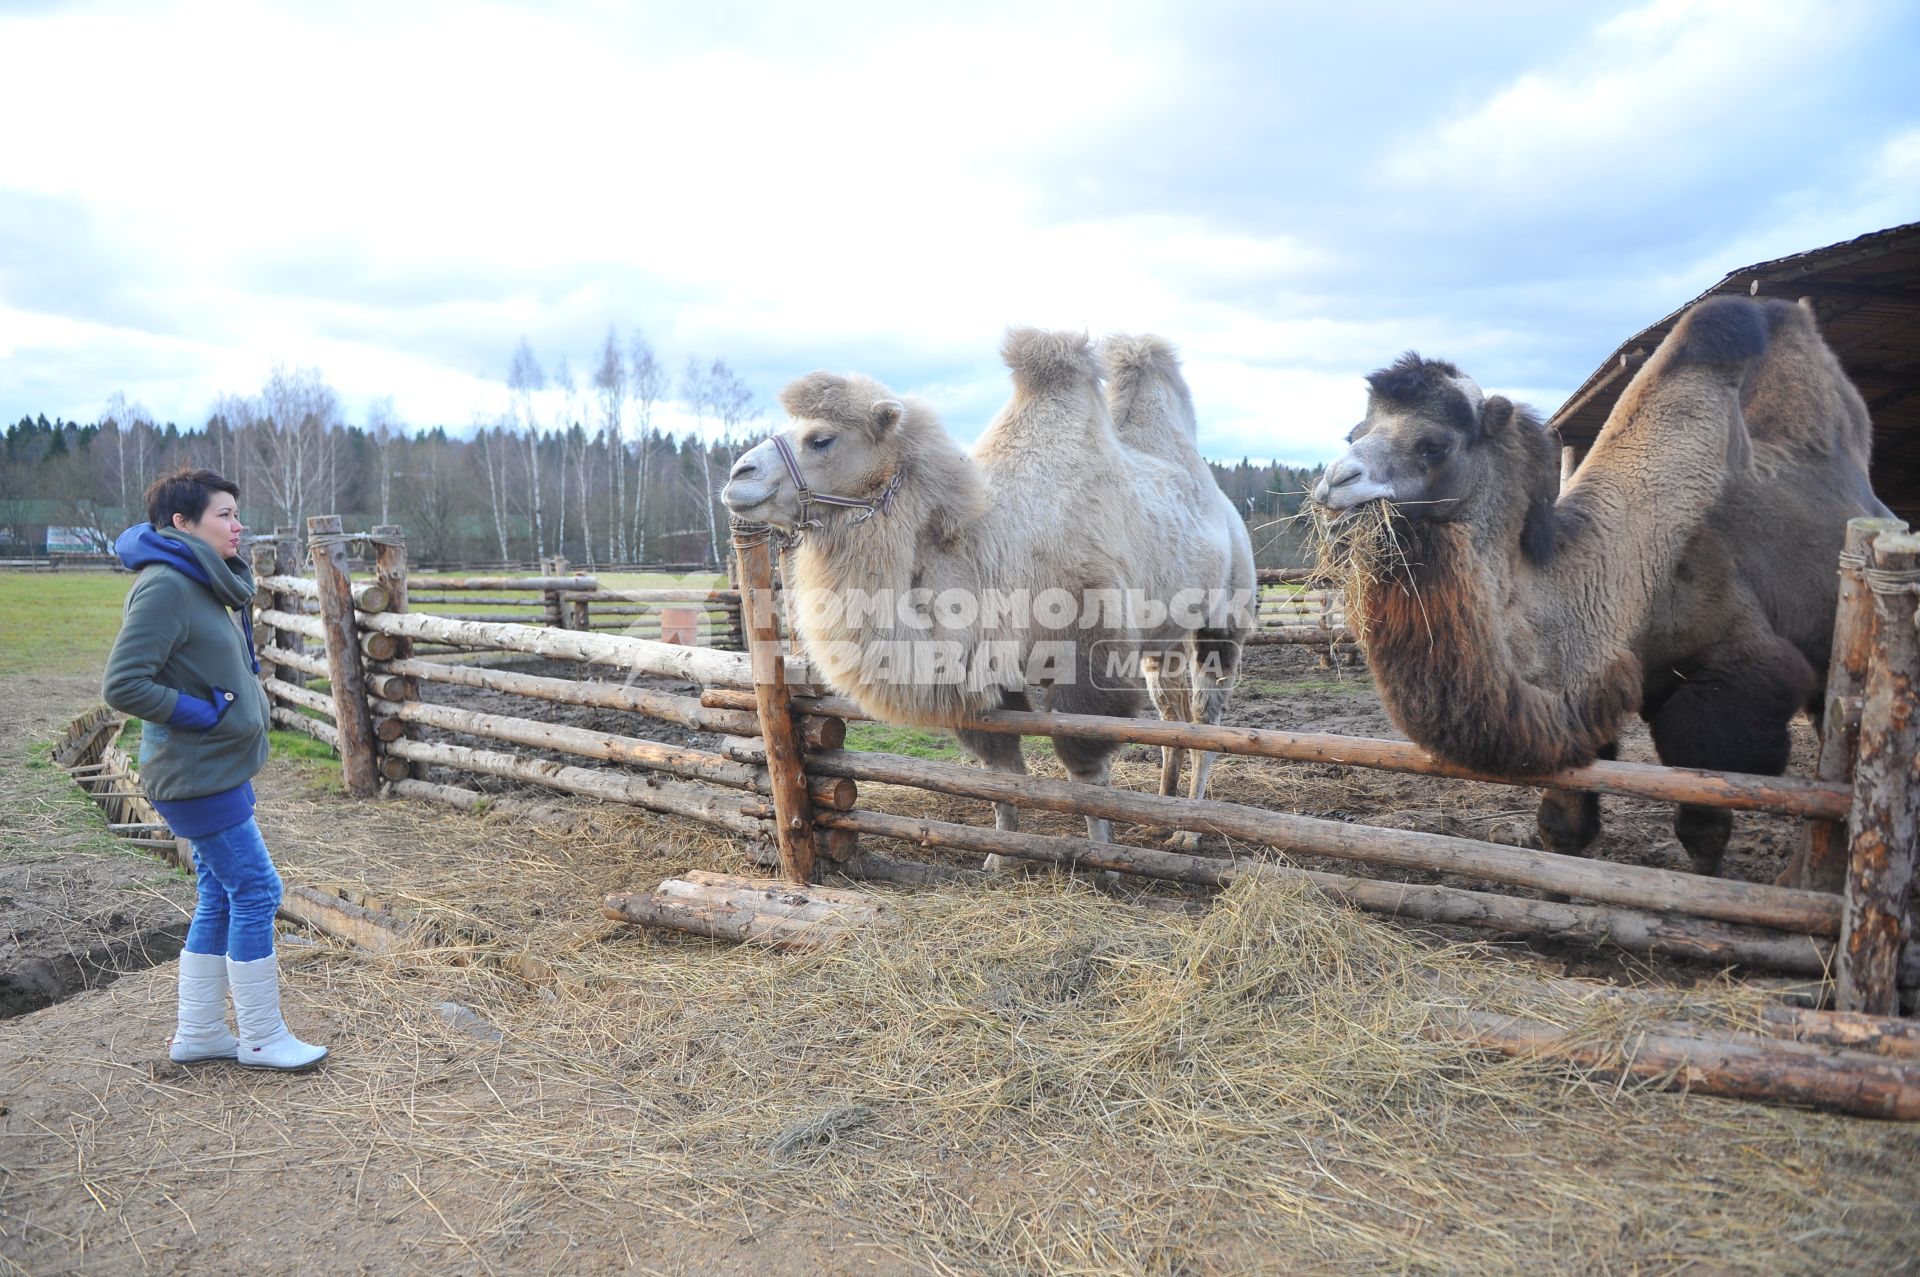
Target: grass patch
316 762
50 811
914 742
54 623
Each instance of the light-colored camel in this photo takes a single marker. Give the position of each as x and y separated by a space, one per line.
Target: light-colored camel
1083 547
1687 571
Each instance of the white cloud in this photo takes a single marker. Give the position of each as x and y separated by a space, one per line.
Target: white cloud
1656 89
397 194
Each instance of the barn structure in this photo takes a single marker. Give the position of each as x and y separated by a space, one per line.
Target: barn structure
1866 292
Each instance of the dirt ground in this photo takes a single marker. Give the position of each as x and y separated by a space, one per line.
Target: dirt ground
632 1117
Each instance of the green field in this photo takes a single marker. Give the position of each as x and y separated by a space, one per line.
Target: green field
59 622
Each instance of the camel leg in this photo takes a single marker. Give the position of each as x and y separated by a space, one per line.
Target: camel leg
999 753
1216 667
1091 761
1171 706
1569 822
1732 716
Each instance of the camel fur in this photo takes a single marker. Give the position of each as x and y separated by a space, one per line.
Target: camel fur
1687 570
1015 564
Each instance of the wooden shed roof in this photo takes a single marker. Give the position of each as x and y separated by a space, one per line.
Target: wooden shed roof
1866 292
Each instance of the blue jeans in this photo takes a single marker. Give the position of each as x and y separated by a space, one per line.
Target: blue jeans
239 894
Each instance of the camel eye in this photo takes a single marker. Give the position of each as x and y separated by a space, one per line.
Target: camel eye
1431 451
820 443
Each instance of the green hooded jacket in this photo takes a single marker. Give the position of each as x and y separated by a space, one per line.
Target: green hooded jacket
178 637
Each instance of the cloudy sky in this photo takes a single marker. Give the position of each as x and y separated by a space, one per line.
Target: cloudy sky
191 193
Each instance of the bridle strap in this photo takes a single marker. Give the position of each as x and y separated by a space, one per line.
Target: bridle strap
868 506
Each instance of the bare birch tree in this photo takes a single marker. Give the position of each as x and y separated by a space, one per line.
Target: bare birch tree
490 450
648 385
383 427
563 382
697 391
299 411
525 380
610 381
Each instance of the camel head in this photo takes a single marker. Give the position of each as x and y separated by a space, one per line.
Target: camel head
1438 450
846 442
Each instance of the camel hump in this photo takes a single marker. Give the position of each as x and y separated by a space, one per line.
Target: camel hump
1044 360
1139 355
1721 330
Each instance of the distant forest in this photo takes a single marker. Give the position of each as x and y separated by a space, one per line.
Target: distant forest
597 481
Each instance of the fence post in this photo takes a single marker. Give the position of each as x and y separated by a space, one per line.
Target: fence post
556 612
262 560
1820 863
1886 788
286 562
390 570
786 764
350 712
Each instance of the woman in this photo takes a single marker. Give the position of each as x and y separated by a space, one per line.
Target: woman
184 663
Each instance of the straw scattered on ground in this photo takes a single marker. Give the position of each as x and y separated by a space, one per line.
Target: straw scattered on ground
1036 1077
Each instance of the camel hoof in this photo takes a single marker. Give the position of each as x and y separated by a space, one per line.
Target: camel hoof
1185 840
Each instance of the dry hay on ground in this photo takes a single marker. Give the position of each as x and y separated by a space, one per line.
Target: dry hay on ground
1030 1076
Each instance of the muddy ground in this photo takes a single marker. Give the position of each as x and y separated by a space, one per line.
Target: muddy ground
464 1119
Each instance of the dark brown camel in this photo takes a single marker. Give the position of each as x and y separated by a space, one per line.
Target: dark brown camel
1686 571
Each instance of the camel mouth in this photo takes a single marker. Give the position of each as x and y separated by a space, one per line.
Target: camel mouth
745 504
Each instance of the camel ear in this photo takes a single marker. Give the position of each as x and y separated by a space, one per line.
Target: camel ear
1496 414
886 414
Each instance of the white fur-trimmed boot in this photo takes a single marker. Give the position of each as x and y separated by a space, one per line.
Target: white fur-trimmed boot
202 1032
264 1040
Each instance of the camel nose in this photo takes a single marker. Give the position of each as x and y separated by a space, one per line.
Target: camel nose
1342 472
744 468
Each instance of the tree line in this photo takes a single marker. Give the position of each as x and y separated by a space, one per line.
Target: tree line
582 466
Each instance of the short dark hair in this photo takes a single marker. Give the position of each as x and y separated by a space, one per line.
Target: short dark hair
186 491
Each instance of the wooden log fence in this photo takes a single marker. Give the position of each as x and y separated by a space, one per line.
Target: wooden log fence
1729 790
1886 793
353 725
759 698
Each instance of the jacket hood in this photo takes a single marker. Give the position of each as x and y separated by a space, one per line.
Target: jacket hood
143 545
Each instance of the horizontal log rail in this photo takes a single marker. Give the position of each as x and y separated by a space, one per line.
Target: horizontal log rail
696 764
1637 886
325 733
478 803
1776 1072
719 598
293 695
306 662
684 710
691 764
368 596
532 599
1303 635
724 809
706 665
1843 1030
307 625
1732 791
1631 930
534 583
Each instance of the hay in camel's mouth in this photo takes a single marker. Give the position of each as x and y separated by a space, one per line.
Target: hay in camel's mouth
1356 549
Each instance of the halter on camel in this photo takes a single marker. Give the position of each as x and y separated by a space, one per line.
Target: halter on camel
868 506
